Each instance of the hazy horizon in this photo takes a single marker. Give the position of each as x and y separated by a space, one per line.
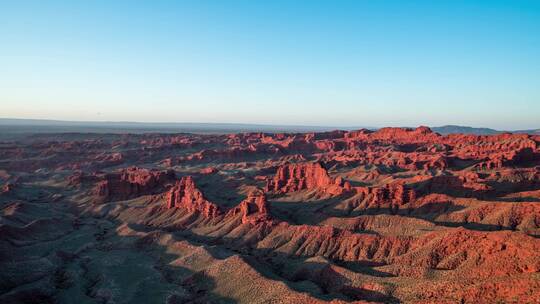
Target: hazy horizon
229 126
308 63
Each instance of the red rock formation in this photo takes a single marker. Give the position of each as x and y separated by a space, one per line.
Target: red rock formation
391 196
336 134
296 177
358 134
397 194
131 182
7 187
404 135
208 170
431 204
523 216
510 158
488 147
463 186
254 209
185 195
412 187
460 247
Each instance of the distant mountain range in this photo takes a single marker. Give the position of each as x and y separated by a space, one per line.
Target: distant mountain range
18 126
453 129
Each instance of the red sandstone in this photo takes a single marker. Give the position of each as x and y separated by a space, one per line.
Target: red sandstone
185 195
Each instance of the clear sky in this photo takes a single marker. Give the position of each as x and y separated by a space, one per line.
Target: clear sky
339 63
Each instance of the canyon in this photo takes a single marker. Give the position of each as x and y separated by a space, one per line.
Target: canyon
397 215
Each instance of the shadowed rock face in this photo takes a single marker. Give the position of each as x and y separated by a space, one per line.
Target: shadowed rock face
392 216
131 182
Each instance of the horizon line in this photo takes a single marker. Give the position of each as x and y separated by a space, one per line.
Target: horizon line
242 124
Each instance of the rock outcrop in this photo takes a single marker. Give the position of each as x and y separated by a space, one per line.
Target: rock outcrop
254 209
305 176
390 196
131 182
185 195
510 158
403 135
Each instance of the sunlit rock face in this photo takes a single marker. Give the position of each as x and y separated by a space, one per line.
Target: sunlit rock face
390 216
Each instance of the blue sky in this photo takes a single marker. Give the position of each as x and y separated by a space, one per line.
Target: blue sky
340 63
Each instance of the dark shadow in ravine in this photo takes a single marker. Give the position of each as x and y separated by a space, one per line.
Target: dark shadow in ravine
521 199
83 260
197 284
365 267
193 287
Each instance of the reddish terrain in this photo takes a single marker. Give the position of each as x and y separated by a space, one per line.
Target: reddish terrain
391 216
